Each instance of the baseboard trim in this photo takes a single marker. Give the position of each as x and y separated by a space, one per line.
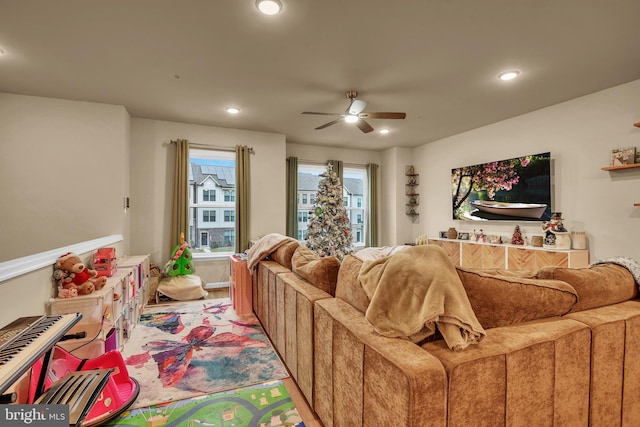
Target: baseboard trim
216 285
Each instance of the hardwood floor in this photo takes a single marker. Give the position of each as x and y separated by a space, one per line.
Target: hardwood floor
308 416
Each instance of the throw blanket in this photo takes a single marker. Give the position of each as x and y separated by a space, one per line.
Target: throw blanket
416 289
373 253
630 264
263 247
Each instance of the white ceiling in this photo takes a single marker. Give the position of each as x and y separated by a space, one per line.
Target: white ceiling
436 60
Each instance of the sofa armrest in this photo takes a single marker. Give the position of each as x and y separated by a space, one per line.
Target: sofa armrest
362 378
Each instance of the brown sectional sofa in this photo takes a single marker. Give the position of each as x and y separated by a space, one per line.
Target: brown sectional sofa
568 368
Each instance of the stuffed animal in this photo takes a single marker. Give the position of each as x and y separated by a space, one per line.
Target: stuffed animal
74 278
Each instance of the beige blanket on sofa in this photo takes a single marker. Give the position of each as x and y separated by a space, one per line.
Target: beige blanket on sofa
416 289
263 247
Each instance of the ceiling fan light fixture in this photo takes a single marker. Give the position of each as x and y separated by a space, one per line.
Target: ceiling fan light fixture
269 7
350 118
509 75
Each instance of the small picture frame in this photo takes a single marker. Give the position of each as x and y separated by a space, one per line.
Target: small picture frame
443 234
623 156
463 236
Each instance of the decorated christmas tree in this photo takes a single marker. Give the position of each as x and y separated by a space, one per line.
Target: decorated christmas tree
517 239
180 263
329 232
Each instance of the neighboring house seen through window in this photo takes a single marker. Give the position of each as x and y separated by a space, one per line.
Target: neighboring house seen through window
211 221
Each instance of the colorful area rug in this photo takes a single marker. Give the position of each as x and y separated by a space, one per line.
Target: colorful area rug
187 349
266 404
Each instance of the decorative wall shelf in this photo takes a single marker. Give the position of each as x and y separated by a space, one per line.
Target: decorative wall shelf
622 167
412 195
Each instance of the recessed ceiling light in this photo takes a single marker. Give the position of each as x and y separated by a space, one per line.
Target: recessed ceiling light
384 131
269 7
509 75
232 110
350 118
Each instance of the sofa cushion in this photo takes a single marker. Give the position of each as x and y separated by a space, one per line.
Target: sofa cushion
321 272
500 300
348 287
284 253
597 286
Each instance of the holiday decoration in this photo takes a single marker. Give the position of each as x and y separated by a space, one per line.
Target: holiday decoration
180 263
554 229
517 237
329 232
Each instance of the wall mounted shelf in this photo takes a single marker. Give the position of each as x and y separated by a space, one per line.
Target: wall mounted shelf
412 183
622 167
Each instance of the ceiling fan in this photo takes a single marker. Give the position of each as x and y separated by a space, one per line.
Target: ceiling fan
355 114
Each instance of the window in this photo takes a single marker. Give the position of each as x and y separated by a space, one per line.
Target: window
211 171
354 194
208 216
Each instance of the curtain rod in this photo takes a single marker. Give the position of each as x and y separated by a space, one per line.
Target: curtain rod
320 162
213 147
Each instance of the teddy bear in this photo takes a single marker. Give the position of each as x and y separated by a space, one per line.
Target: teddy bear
74 278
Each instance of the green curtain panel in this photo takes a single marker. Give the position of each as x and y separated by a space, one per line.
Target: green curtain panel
180 220
292 197
242 198
372 205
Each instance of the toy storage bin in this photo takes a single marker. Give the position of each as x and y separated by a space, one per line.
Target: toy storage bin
93 307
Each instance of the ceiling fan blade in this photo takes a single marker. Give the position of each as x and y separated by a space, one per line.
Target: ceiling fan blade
330 123
364 126
322 114
383 115
357 106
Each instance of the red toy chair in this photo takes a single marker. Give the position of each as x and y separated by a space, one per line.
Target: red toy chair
119 393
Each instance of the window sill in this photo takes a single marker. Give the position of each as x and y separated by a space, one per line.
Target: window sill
211 256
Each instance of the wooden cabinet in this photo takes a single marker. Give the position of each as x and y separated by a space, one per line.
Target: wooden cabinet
240 285
452 248
512 257
483 256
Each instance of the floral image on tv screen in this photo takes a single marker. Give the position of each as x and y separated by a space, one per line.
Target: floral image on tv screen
517 189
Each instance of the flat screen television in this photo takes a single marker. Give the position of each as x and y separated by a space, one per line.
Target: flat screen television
518 189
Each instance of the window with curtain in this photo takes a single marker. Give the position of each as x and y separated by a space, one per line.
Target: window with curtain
354 191
211 218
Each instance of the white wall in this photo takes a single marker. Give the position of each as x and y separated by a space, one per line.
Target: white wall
63 173
396 226
63 176
580 135
152 184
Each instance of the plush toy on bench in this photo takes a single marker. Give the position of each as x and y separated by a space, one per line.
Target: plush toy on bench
74 278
